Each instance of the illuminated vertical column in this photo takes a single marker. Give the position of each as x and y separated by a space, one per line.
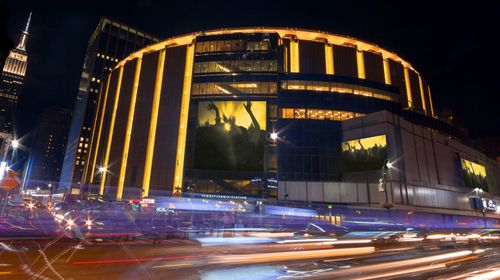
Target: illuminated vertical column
430 101
183 120
408 88
111 130
294 56
361 64
285 58
128 131
329 59
99 130
387 72
87 159
152 125
422 93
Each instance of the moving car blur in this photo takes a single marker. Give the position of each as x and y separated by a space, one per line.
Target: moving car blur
214 238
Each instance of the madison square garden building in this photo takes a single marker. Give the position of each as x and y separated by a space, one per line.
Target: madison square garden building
279 113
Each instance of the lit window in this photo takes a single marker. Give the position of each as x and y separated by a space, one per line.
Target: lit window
338 88
318 114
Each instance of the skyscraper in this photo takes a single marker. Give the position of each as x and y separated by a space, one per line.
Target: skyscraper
111 42
48 147
11 82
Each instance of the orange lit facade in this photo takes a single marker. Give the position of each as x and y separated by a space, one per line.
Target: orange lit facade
196 112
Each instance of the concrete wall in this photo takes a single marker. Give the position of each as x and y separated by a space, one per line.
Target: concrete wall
422 157
368 194
427 171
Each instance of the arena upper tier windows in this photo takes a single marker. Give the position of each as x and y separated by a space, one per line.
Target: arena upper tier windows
231 46
234 88
318 114
338 87
235 66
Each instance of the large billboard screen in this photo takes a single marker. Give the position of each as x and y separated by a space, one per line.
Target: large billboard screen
474 174
230 135
364 154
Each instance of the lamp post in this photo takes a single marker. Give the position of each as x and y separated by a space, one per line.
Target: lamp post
4 167
382 186
9 143
102 170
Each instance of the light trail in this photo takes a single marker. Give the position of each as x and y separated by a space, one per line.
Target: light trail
141 259
348 241
422 262
494 274
404 271
306 240
289 256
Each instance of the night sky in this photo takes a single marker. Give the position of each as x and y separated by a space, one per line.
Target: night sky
452 46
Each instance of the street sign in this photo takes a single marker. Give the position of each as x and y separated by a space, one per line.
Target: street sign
10 181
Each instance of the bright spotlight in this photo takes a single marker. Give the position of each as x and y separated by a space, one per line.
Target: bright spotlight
389 165
15 144
274 135
103 169
3 168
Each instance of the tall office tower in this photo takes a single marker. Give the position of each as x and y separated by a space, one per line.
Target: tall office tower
48 147
111 42
11 83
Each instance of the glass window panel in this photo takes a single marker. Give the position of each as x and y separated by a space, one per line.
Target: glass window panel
300 113
198 47
273 111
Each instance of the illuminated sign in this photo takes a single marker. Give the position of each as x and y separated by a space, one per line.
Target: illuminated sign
474 174
223 196
364 154
147 201
489 205
272 183
230 135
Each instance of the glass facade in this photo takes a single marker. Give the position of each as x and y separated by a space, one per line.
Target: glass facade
338 88
235 66
318 114
226 88
231 46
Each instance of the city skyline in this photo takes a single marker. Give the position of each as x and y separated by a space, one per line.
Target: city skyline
414 41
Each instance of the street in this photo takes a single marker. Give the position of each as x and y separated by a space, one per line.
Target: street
188 259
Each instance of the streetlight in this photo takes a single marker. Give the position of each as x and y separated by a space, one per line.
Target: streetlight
274 136
4 164
103 169
382 186
15 144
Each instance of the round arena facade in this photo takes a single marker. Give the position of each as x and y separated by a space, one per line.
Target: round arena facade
273 112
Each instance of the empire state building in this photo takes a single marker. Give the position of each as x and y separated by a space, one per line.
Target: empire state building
11 82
